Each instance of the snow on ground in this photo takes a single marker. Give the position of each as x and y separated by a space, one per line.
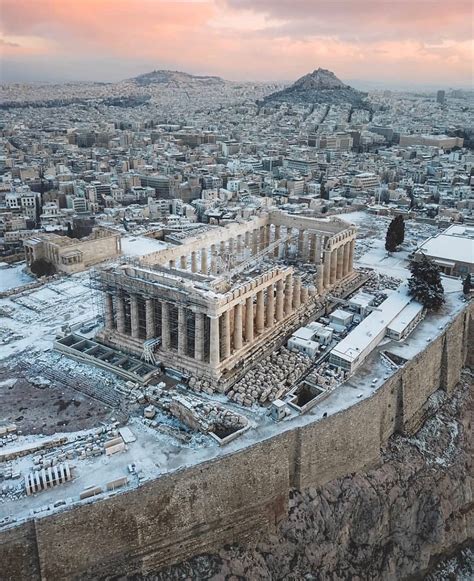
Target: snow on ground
37 315
14 276
140 245
34 317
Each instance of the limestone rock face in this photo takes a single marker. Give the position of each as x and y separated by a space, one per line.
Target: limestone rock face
388 523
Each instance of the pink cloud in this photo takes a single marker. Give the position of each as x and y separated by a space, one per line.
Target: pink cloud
271 39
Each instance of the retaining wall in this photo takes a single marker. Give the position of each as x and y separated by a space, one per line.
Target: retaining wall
235 498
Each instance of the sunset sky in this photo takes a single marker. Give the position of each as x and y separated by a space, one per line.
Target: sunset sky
395 42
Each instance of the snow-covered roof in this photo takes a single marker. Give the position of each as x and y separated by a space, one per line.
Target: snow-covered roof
454 244
360 338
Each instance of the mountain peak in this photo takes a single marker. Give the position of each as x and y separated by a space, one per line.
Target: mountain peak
320 79
320 86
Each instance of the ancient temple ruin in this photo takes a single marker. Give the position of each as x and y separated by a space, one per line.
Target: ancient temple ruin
205 306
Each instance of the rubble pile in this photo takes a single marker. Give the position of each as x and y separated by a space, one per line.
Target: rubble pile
8 433
271 378
327 377
203 416
382 281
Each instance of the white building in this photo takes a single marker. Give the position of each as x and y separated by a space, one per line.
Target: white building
452 250
352 351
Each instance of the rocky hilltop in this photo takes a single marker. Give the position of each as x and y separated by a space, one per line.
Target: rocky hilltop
396 521
319 87
161 77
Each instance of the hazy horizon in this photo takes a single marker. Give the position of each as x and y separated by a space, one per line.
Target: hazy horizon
424 43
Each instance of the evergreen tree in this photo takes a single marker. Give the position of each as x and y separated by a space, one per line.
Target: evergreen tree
425 283
391 237
69 230
399 226
467 285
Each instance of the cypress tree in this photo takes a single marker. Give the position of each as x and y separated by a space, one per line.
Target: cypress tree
400 229
391 237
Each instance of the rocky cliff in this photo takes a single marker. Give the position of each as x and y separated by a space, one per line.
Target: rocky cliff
393 522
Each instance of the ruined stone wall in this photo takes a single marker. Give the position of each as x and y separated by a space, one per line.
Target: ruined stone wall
238 497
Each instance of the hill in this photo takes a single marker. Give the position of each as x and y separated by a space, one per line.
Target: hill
175 77
320 86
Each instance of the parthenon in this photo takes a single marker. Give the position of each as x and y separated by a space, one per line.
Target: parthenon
210 303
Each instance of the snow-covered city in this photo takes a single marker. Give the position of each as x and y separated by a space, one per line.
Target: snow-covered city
190 267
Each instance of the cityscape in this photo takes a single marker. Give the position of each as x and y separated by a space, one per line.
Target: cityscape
236 322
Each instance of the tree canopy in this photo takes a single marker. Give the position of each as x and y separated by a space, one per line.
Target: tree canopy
425 283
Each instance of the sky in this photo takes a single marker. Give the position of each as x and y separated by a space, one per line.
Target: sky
391 42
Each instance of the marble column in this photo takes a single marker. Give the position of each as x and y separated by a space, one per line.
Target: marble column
248 243
301 243
183 263
249 320
172 264
261 238
203 260
276 252
297 292
347 251
240 246
260 318
266 230
165 326
199 336
225 321
317 249
327 268
311 247
214 343
134 321
109 311
340 263
270 306
213 259
280 296
289 234
288 295
351 255
182 331
150 318
333 274
120 308
231 247
238 326
194 262
254 242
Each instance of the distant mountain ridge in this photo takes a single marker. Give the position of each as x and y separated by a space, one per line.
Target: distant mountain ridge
165 77
320 86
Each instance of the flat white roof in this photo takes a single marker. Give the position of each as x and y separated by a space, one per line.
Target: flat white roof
351 347
303 333
409 313
454 244
362 299
341 314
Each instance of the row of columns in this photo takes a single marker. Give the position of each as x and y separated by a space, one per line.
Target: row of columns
334 264
205 260
227 333
338 263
